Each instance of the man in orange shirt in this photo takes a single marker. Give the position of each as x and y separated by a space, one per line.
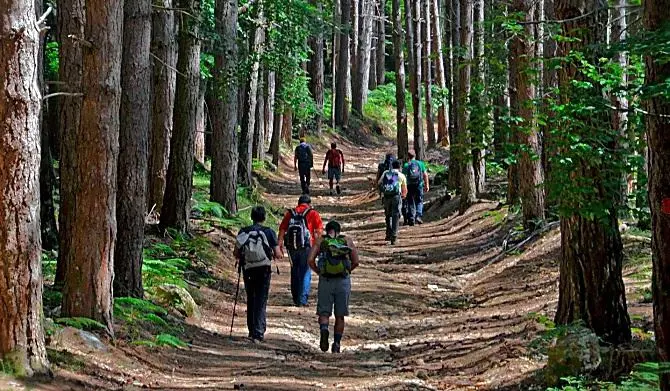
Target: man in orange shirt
298 232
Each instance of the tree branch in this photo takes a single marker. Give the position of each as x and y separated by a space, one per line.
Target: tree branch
55 94
167 65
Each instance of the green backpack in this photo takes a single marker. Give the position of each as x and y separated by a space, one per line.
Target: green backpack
335 258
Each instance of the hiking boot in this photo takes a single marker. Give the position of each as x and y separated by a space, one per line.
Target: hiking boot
331 191
323 343
387 238
419 220
393 241
335 348
337 188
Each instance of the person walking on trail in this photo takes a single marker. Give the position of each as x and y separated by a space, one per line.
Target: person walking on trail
338 257
394 188
255 247
335 160
417 184
303 161
298 232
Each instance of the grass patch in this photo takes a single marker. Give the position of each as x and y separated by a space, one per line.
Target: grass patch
499 216
66 360
142 319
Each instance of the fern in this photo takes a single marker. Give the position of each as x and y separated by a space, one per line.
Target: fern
81 323
169 340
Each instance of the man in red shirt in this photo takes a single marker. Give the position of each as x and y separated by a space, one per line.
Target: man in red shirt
335 160
298 232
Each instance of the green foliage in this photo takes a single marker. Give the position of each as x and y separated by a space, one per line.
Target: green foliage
168 340
49 263
81 323
52 60
644 377
66 360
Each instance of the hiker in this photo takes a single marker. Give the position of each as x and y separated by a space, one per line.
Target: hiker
256 246
298 232
303 161
335 160
338 257
385 165
417 184
394 188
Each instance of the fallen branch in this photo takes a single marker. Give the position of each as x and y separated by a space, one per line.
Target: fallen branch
635 238
55 94
519 245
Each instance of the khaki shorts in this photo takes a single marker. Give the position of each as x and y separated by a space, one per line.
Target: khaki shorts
333 292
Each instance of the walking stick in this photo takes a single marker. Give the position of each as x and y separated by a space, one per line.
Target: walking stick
237 293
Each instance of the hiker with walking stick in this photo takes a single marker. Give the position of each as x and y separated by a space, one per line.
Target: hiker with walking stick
256 246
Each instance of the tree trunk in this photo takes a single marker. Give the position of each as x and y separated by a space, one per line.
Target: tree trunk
178 189
315 68
530 165
398 53
201 123
248 123
480 124
133 148
619 101
413 27
468 186
656 17
71 19
287 126
276 135
361 79
455 158
270 87
341 104
48 121
550 82
427 71
513 190
94 150
259 130
591 286
380 52
21 333
440 78
223 186
372 75
163 81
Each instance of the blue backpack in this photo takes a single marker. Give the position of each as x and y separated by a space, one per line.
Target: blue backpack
414 174
391 184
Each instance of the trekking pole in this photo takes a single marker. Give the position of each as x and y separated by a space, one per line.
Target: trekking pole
237 293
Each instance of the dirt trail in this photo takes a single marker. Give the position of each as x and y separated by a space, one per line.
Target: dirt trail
436 311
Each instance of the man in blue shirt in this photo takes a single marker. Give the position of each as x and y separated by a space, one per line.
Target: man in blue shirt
303 161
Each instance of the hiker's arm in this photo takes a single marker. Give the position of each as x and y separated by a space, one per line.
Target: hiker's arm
342 154
403 190
313 253
276 252
354 254
426 182
236 252
325 160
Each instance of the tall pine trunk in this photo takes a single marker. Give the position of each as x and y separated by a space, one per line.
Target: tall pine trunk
468 186
176 208
362 75
133 148
427 70
591 286
90 247
163 82
656 16
71 19
315 68
380 52
21 332
530 164
480 129
259 128
413 27
343 64
455 158
440 76
223 186
201 123
549 83
398 54
618 34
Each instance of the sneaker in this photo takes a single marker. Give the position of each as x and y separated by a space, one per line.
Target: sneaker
335 348
323 343
393 241
387 238
419 220
337 188
331 191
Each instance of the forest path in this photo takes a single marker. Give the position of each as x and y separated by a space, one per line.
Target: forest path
440 310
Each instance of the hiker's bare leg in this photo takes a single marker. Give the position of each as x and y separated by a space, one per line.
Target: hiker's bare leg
339 324
324 319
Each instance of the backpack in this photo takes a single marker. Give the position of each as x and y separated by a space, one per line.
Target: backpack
304 154
383 167
335 158
297 235
335 260
391 184
414 174
254 248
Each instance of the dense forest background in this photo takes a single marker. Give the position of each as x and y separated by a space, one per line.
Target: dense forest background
112 113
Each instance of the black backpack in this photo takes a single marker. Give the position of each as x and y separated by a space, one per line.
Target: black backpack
304 154
297 235
414 173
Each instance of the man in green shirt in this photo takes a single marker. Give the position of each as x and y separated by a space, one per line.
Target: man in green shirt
417 184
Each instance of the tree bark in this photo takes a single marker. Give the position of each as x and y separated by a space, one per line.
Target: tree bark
620 116
133 148
341 104
315 68
468 186
270 104
591 286
372 75
90 247
413 27
163 82
530 172
440 77
223 186
201 123
176 208
259 130
71 19
401 109
549 83
656 16
287 126
362 76
479 74
454 180
21 333
380 52
427 70
248 123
